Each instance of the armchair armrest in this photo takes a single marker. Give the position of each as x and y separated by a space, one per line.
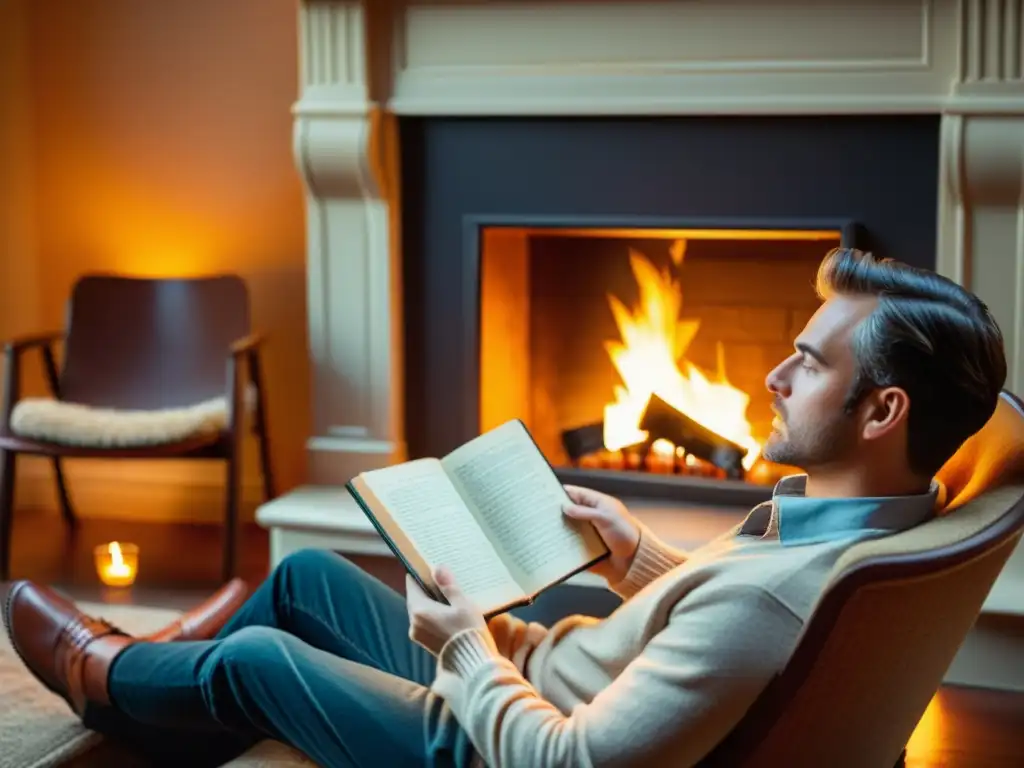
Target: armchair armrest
22 343
248 344
13 350
246 349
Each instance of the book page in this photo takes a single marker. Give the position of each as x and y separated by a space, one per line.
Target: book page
426 506
518 500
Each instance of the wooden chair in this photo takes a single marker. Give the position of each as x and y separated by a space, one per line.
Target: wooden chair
891 620
151 368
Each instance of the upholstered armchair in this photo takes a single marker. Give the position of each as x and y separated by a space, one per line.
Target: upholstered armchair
891 619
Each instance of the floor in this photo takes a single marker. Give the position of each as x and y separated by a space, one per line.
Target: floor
179 560
179 564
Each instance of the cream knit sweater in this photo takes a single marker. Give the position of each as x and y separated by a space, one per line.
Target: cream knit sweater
659 682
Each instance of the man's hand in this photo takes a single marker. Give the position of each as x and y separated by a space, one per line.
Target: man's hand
618 528
431 623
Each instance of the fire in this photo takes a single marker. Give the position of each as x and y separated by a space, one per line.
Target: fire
118 566
651 359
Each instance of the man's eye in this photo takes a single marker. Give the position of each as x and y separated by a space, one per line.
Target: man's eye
806 364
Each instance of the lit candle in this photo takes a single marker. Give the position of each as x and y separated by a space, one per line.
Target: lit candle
117 564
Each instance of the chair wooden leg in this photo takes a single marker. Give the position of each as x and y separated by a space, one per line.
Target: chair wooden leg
269 490
66 510
262 431
7 469
231 493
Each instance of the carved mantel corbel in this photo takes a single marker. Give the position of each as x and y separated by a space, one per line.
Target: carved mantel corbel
981 196
345 148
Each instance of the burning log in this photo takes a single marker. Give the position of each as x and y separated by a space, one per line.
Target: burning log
661 420
585 445
581 441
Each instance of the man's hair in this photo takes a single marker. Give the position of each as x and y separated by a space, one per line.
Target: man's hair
928 336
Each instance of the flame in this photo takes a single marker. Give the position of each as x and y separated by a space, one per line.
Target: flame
651 360
118 567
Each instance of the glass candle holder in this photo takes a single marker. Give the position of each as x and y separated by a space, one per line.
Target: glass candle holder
117 563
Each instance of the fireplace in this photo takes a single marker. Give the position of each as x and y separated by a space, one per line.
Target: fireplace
541 256
419 123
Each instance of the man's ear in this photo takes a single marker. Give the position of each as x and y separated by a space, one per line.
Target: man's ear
884 410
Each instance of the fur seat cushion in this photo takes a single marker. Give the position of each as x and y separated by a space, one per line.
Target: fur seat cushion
54 421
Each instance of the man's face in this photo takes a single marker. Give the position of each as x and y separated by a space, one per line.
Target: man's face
811 385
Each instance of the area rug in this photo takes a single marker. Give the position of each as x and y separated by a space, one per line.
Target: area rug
37 730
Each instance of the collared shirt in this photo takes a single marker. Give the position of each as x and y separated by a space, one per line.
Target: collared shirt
796 520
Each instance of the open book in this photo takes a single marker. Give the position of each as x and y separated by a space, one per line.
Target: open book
490 511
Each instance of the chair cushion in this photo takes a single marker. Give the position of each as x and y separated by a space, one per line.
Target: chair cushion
54 421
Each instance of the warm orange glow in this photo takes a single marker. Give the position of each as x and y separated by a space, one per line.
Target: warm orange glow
136 231
933 730
651 359
164 263
117 564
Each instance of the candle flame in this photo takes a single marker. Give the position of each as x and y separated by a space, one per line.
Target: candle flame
117 564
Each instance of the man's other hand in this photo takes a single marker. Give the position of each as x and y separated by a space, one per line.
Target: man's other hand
432 623
619 529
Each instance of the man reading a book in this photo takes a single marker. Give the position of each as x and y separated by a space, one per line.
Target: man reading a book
892 374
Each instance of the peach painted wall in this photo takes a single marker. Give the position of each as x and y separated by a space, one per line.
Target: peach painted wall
162 146
19 294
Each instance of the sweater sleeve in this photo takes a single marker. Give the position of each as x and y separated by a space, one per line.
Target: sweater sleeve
652 559
671 705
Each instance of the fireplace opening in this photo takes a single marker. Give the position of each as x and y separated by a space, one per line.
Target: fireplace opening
641 354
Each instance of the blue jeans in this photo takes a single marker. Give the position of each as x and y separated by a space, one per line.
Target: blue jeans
319 657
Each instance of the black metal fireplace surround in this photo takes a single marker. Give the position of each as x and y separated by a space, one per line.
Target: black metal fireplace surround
872 177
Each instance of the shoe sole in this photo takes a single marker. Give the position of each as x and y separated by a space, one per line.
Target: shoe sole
8 625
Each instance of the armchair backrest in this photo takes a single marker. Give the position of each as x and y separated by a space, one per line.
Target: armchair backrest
891 619
147 343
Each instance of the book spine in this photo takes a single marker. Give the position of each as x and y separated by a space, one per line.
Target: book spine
434 593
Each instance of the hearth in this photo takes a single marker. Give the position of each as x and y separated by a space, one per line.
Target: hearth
570 273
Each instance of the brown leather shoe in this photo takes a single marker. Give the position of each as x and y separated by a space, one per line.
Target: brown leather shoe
206 620
69 652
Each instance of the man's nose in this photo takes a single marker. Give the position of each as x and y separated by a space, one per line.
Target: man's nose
777 379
